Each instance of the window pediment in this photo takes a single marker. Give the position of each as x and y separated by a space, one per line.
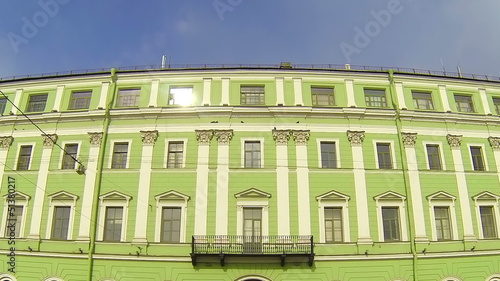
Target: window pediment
390 195
333 196
441 195
63 196
253 193
172 195
115 195
486 196
18 196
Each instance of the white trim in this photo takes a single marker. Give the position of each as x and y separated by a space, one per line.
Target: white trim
392 150
400 95
110 159
19 202
489 199
57 101
441 153
53 279
443 199
451 279
484 101
252 201
33 144
179 201
391 199
207 89
297 90
339 200
63 202
242 143
103 96
280 91
483 156
153 98
113 202
443 93
225 85
167 141
61 156
252 277
494 277
337 150
3 277
349 87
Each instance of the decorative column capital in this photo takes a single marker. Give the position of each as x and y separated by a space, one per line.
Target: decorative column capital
204 136
454 141
49 140
95 138
223 136
281 137
149 137
409 139
494 142
301 136
6 142
356 137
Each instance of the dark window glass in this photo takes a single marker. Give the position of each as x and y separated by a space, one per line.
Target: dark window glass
488 223
23 163
252 154
80 100
496 103
390 219
464 103
384 156
171 225
60 223
120 152
375 98
328 155
36 103
252 95
3 104
175 154
14 217
433 157
422 100
333 225
322 96
477 158
70 151
443 223
113 224
128 97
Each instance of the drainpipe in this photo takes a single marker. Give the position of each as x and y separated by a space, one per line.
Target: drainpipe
397 119
100 164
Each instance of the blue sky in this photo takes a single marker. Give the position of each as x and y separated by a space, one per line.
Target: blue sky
57 35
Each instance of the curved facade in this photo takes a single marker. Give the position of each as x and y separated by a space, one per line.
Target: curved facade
276 173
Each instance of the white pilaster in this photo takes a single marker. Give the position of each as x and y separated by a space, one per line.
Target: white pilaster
225 91
207 89
17 100
153 98
104 95
57 101
41 184
463 194
484 101
495 145
5 143
221 202
297 89
282 194
444 98
141 222
280 91
303 195
349 87
356 138
200 213
400 95
89 187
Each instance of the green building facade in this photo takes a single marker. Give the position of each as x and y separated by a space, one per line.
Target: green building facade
250 173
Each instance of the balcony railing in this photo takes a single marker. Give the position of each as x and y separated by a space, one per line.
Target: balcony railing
281 246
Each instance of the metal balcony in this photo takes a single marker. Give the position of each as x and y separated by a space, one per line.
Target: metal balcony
234 246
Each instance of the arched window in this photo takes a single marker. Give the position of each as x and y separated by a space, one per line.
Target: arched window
253 278
494 277
6 277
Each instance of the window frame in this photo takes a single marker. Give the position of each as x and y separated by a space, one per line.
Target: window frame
369 103
19 145
337 151
483 156
392 200
29 105
443 199
331 96
61 199
171 198
496 104
243 162
490 200
113 199
63 154
74 100
21 199
429 100
252 198
3 105
461 98
391 151
171 100
120 98
441 155
7 277
261 97
111 155
167 144
334 199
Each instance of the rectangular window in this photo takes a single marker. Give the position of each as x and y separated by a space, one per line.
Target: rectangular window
464 103
60 223
175 154
3 104
36 103
181 96
171 225
322 96
477 158
443 223
496 103
128 97
488 223
70 152
252 154
375 98
80 100
14 219
390 221
23 162
252 230
120 153
113 224
333 225
328 155
422 100
252 95
433 156
384 156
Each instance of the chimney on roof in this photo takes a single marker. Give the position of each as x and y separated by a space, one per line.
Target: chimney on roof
286 65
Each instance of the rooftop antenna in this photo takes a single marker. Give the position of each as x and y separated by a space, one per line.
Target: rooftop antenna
459 69
442 64
163 61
